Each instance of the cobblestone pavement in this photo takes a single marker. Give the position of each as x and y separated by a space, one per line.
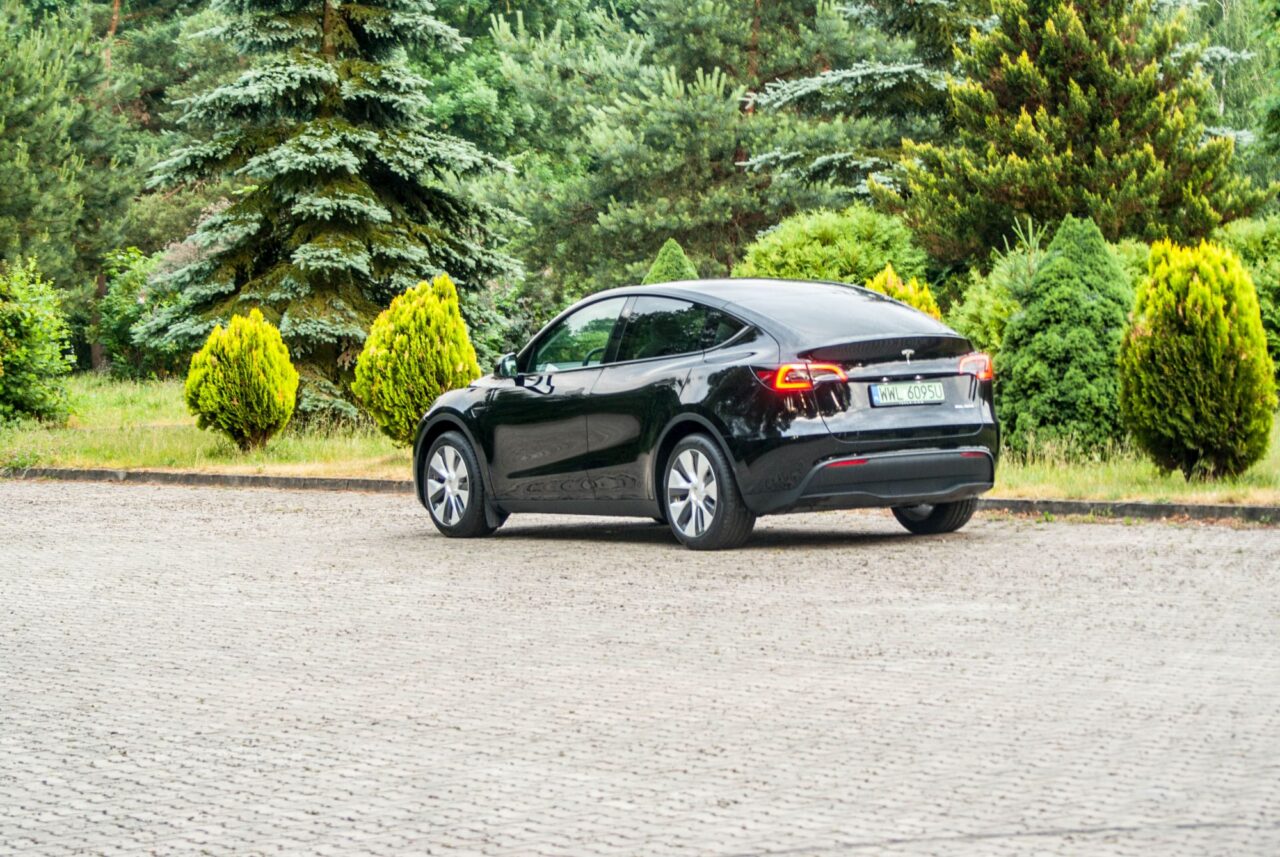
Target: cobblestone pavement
238 672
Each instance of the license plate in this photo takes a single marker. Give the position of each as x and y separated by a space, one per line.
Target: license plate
908 393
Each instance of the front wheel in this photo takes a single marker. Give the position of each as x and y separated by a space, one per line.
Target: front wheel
933 519
454 488
703 505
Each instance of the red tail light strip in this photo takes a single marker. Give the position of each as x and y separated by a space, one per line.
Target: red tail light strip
801 376
977 365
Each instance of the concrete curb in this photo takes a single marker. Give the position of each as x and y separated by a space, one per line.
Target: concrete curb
1146 511
1100 509
222 480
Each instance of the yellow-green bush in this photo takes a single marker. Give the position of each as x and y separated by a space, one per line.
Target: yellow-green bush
849 246
242 383
912 293
417 349
1197 388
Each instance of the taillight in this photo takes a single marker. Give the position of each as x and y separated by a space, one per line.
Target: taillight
801 376
978 365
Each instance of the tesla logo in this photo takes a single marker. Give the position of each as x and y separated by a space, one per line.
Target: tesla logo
907 352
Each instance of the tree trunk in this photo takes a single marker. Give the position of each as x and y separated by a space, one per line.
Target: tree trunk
97 353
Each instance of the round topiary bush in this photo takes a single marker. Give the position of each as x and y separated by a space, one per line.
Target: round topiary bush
242 383
912 293
34 355
1197 386
417 349
670 266
1057 363
850 246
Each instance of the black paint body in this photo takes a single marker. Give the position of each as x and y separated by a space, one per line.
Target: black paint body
593 440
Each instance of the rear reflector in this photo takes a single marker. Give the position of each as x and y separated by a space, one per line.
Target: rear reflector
973 455
801 376
977 365
847 462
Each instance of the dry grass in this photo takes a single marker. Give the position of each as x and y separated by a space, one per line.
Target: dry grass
146 426
130 425
1125 475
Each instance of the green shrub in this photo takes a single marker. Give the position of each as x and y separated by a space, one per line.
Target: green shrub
129 300
417 349
671 265
850 246
34 355
988 300
1197 385
1057 364
1257 243
984 313
242 382
913 293
1132 255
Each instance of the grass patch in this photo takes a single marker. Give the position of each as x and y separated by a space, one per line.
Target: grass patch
1126 475
121 424
130 425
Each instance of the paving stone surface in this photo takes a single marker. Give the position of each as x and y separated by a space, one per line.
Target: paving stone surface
242 672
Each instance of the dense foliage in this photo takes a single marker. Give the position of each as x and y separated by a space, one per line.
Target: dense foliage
416 350
242 383
1057 363
1087 108
352 197
33 346
1257 243
851 246
912 292
1197 387
671 265
130 299
989 302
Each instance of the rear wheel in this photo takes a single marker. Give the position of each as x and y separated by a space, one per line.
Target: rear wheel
454 489
932 519
703 505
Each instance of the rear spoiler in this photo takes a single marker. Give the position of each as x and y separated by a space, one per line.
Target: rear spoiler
879 349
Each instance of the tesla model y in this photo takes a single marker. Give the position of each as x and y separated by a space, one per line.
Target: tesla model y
708 403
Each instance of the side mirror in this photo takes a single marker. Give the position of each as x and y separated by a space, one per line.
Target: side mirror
506 367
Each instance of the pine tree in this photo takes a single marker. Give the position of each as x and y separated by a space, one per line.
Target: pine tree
1087 108
351 200
640 128
858 112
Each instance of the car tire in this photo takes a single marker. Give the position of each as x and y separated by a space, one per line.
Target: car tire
700 493
454 489
932 520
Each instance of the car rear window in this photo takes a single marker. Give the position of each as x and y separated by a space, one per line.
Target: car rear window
827 312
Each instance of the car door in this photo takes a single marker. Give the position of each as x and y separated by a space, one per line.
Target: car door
639 390
536 423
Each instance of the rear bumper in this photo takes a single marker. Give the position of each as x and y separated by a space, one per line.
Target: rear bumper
898 478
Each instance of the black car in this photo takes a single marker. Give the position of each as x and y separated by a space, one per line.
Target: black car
708 403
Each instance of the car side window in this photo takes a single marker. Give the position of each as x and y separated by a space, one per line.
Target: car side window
579 340
660 327
720 328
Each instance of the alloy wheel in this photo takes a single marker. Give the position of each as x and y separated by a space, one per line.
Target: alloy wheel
692 493
448 485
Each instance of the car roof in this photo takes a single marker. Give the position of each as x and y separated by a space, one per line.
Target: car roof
801 310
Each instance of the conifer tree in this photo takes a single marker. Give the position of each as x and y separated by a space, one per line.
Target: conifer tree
892 85
349 198
1085 107
671 265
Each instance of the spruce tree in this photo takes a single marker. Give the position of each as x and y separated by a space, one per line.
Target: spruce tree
1084 107
891 85
347 198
